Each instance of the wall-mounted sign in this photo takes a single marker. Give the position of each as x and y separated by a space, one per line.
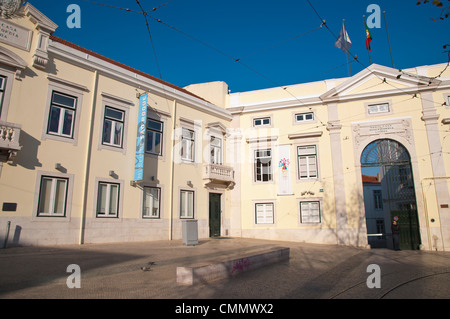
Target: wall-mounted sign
15 35
140 139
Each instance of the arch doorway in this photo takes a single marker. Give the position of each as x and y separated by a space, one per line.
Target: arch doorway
389 191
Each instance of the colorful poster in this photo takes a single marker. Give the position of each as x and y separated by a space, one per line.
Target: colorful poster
284 170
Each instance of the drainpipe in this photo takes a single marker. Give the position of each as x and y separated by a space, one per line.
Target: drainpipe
174 120
88 159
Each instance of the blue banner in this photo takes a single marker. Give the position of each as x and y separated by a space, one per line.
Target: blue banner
140 140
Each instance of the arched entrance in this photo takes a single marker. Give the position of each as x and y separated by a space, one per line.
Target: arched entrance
389 191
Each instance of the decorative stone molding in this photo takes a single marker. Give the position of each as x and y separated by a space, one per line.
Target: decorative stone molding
397 127
45 28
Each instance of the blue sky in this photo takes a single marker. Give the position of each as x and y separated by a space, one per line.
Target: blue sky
247 30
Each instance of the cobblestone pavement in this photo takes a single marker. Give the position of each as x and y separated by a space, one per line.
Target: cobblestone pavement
313 272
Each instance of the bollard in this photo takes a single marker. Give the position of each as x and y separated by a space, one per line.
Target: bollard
8 226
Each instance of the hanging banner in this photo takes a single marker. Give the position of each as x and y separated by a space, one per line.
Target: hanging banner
284 170
140 140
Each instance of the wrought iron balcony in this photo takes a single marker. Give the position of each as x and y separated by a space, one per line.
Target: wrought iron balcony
9 140
218 175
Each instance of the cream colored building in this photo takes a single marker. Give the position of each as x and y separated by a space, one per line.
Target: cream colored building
282 163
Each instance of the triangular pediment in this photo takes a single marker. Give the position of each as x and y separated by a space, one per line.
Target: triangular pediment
11 59
378 81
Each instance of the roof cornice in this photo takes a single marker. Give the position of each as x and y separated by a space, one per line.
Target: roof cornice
92 61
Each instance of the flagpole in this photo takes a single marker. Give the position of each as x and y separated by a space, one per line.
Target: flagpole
348 53
389 41
368 51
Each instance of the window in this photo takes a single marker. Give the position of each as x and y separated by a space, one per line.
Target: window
152 202
216 150
310 212
378 108
52 196
264 213
377 199
2 91
154 137
62 115
263 165
307 161
380 226
113 127
261 121
187 145
304 117
186 204
107 200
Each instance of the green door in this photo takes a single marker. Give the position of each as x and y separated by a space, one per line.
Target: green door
214 215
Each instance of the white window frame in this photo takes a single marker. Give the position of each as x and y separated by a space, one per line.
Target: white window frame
66 88
268 213
107 213
262 167
216 151
304 120
150 205
52 197
259 121
306 206
378 108
155 132
117 104
311 159
184 197
113 121
187 150
63 110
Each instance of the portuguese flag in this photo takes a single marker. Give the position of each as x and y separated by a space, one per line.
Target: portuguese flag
368 37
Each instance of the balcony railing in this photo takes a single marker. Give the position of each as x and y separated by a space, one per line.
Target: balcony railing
218 174
9 139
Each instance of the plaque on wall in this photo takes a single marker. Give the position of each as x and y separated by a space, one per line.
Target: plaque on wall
15 35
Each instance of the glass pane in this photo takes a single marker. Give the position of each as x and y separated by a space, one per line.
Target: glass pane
63 100
150 146
101 202
183 212
309 116
2 83
154 125
183 148
113 199
107 131
190 204
257 122
148 202
306 150
216 141
266 121
300 117
60 197
44 198
155 197
157 143
118 134
67 124
188 134
54 119
115 114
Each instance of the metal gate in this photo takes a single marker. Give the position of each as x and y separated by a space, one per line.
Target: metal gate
397 187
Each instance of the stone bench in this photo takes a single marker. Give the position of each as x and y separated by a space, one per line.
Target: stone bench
206 272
